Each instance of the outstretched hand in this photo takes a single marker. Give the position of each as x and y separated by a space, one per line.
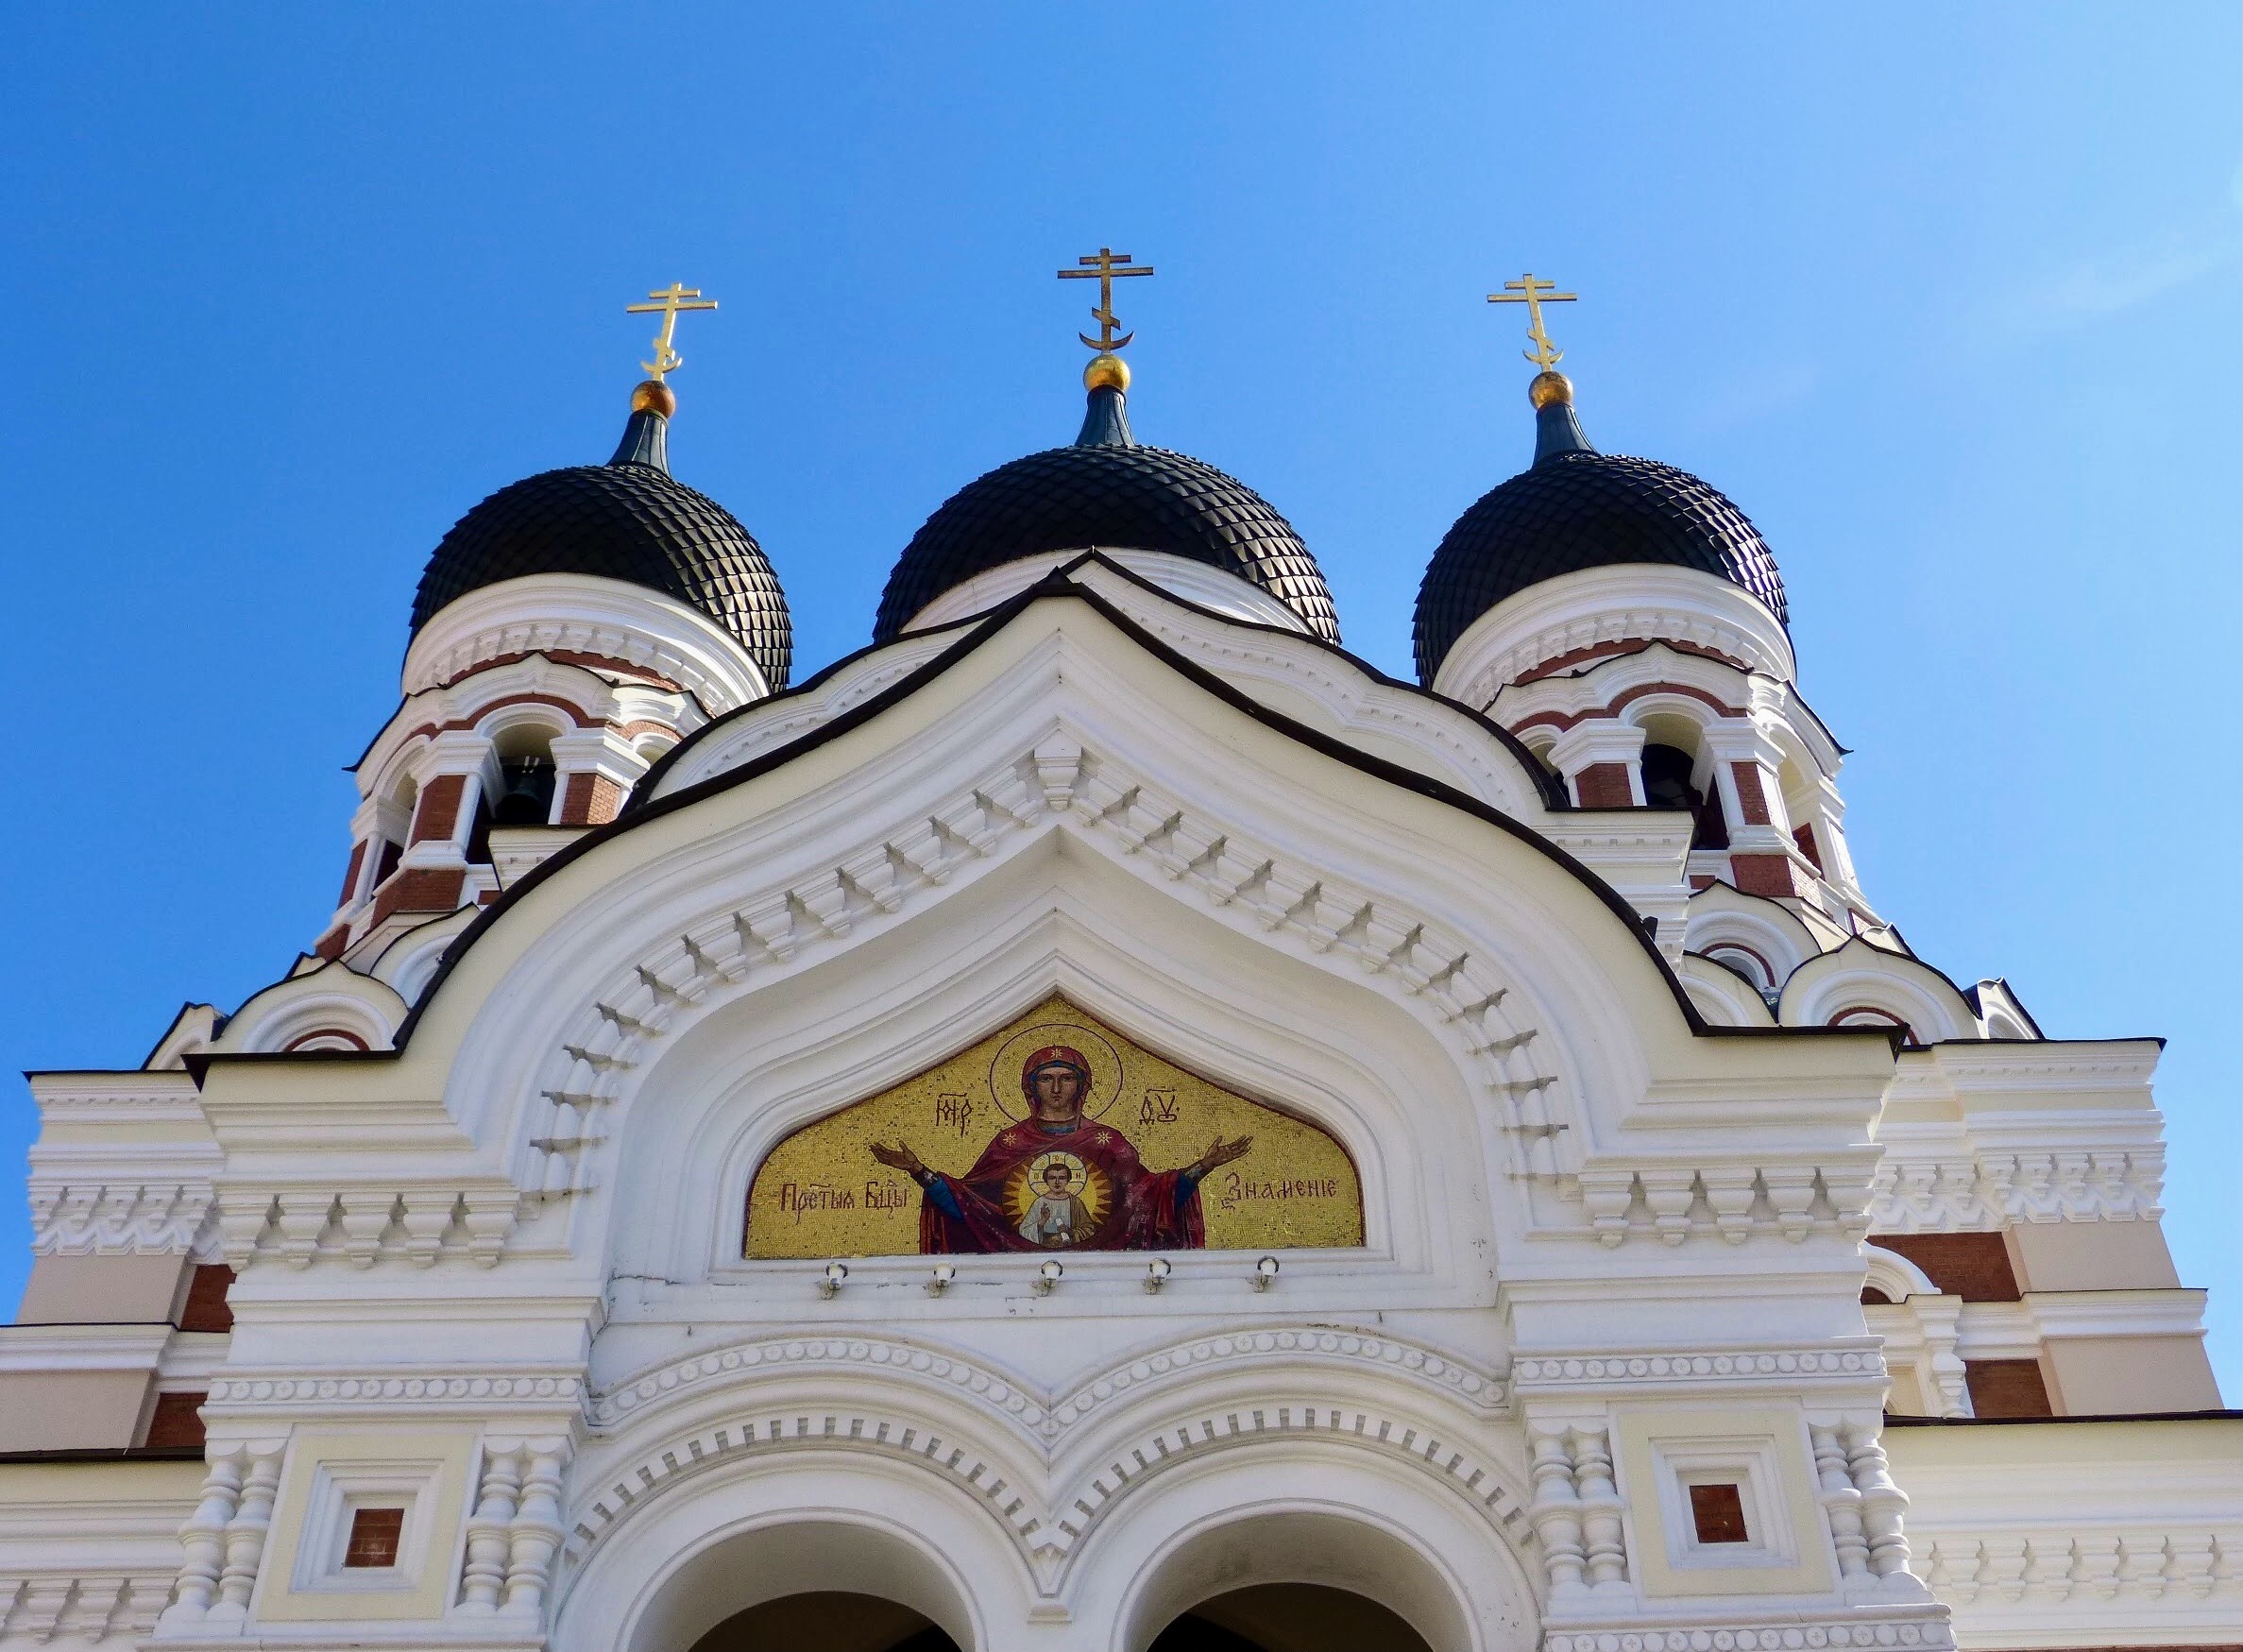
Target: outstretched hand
1222 1152
899 1157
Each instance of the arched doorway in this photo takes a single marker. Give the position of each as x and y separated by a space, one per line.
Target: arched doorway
1288 1617
1297 1580
830 1621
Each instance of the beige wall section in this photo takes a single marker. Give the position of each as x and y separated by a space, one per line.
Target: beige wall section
2091 1256
440 1460
2119 1376
1792 1500
104 1290
72 1410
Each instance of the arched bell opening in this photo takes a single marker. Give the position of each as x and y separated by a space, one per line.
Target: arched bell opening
831 1621
1297 1580
1289 1617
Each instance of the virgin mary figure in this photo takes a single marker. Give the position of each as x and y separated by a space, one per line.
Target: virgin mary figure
1123 1206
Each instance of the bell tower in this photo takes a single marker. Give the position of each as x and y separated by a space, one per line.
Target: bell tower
568 631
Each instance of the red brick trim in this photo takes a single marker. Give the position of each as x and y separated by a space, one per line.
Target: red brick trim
1604 786
1561 722
1625 645
332 944
577 714
598 662
304 1038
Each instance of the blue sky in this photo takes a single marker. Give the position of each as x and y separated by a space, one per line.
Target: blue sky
1944 296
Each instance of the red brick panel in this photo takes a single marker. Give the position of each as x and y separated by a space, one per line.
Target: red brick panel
1975 1267
177 1419
1764 874
423 889
2007 1388
357 858
1752 797
331 945
590 800
206 1309
1804 837
1604 786
439 811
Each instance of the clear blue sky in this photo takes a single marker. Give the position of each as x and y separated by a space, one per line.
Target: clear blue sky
1944 297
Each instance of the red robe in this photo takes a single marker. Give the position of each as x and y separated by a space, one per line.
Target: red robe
1137 1209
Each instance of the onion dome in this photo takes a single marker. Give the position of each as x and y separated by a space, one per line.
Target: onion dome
1577 508
1106 493
627 520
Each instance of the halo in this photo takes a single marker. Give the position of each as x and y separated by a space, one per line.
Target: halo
1043 1162
1004 1090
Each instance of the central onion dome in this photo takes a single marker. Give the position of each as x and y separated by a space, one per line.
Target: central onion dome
1576 508
627 520
1106 493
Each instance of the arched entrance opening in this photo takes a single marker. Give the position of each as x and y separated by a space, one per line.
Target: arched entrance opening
831 1621
1297 1580
1289 1617
835 1585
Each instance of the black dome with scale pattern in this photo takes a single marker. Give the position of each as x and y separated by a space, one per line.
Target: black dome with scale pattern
627 520
1106 493
1577 508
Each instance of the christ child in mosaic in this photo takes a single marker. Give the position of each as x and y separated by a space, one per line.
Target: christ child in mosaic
1011 1200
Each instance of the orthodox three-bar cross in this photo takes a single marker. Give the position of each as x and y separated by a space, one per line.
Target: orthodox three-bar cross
666 303
1105 268
1534 295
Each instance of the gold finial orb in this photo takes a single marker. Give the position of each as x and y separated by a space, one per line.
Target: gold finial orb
653 397
1106 371
1548 387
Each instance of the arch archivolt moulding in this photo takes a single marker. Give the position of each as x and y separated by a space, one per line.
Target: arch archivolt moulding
1048 1416
1047 1480
749 943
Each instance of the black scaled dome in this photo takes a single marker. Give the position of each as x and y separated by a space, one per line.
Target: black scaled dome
1577 508
627 520
1108 492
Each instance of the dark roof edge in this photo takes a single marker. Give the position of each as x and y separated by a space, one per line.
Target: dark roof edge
109 1453
2216 1415
1556 801
1057 584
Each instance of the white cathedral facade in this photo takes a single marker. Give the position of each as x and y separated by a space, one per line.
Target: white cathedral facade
1103 1122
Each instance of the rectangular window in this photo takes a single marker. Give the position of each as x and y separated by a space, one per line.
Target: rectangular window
375 1535
1718 1512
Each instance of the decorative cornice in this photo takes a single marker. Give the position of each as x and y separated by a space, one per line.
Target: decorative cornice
586 615
1870 1630
1566 1370
1984 1192
121 1218
391 1392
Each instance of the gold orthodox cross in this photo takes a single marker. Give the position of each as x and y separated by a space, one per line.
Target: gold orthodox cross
1534 295
667 303
1105 268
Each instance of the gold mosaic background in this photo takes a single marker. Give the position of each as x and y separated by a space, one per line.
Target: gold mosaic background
821 1192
